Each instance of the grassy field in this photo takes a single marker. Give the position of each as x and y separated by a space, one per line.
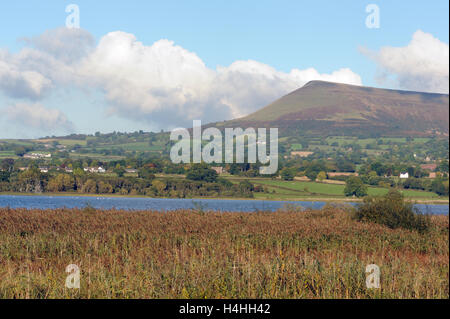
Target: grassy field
7 154
137 146
62 141
341 140
305 188
105 158
190 254
17 142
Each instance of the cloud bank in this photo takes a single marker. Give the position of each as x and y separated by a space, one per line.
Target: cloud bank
161 84
423 65
36 116
168 84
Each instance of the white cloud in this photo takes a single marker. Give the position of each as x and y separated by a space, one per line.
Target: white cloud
161 84
38 117
16 82
423 65
33 72
246 86
164 83
64 44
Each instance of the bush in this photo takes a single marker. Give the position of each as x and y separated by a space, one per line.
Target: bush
201 172
440 187
393 211
355 187
287 174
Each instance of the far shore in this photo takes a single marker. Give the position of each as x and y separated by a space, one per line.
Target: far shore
293 199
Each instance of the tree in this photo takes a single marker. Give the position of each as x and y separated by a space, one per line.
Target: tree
378 168
311 174
355 187
61 183
31 180
78 172
20 151
393 211
89 187
201 172
440 187
146 173
246 187
321 176
344 165
7 165
443 166
104 188
119 171
4 176
287 174
160 186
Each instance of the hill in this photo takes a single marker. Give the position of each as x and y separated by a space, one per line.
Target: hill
325 108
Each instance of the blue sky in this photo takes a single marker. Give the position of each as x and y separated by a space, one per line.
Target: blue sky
285 35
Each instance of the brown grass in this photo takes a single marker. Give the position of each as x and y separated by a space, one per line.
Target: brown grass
189 254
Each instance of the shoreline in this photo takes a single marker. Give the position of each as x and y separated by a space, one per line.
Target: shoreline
294 199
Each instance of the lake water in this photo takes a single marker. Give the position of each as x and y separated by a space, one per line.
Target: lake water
164 204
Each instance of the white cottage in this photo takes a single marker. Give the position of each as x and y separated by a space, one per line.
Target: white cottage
404 175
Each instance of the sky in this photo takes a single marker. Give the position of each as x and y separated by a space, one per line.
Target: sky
152 65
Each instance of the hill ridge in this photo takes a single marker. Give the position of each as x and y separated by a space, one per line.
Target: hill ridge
324 107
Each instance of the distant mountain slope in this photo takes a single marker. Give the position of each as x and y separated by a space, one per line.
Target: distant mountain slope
331 108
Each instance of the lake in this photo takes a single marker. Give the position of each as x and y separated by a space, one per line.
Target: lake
164 204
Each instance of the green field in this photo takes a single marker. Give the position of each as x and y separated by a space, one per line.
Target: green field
289 189
7 154
17 142
130 147
105 158
71 142
341 140
296 147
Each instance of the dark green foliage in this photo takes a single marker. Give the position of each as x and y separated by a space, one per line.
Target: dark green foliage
443 166
354 186
246 187
20 151
224 182
146 173
345 165
119 171
287 174
393 211
4 176
201 172
440 187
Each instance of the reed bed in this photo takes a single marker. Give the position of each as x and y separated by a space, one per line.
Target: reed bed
195 254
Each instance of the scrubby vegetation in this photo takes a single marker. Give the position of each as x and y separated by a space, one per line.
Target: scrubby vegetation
293 253
138 158
393 211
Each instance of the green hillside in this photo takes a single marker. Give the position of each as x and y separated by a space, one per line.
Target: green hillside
330 108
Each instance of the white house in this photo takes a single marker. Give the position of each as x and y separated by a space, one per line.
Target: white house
37 155
101 170
95 170
404 175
